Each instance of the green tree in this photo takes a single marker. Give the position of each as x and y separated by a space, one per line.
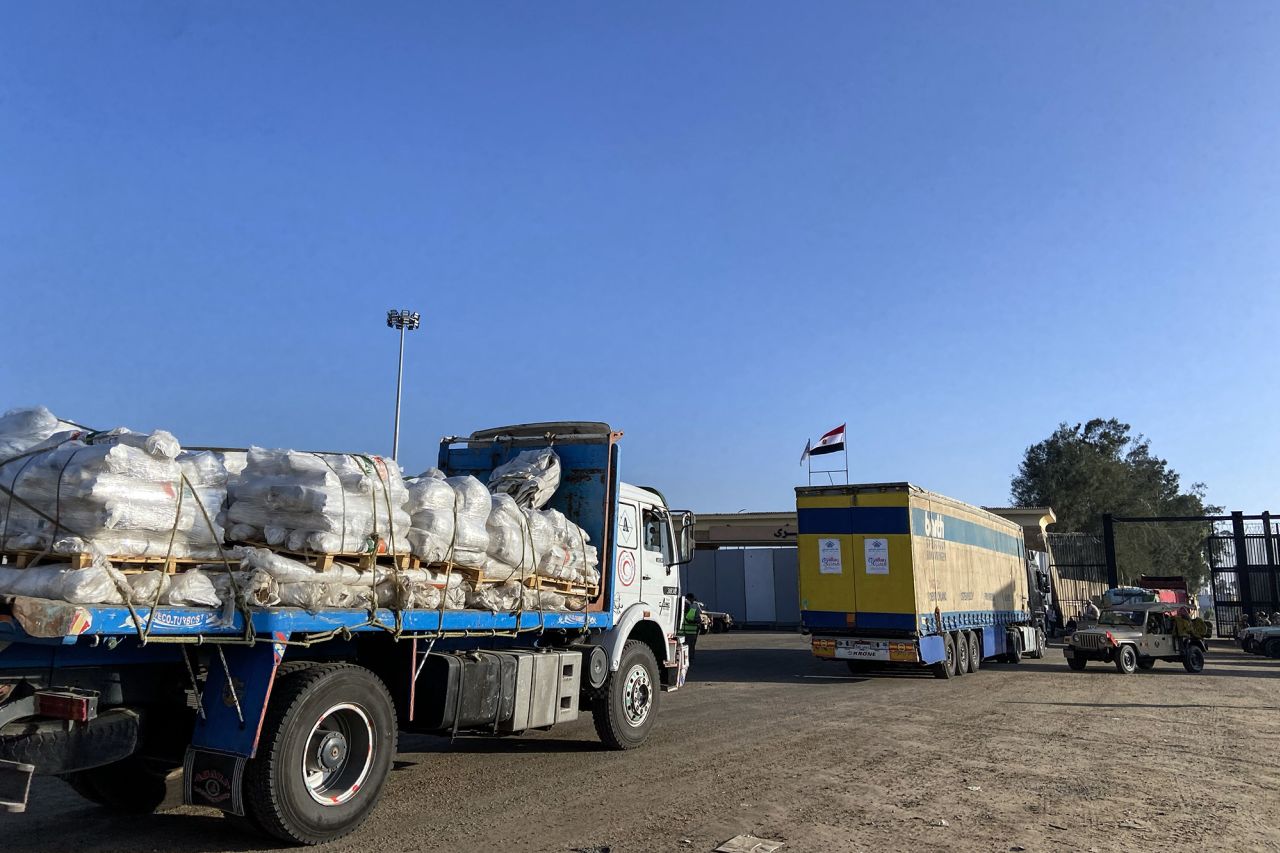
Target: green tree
1083 471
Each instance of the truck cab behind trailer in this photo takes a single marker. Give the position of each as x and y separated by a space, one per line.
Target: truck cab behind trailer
290 719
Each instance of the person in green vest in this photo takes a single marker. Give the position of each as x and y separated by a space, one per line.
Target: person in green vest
691 622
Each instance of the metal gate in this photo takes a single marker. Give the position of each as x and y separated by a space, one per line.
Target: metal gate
1078 569
1242 558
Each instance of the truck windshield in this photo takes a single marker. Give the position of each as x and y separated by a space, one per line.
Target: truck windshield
1123 618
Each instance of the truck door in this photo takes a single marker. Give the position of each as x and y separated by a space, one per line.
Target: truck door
659 579
627 581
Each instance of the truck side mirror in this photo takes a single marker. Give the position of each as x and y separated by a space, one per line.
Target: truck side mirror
682 522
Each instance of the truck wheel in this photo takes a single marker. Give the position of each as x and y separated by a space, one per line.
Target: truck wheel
962 652
625 708
133 786
1077 663
1014 654
327 744
859 667
975 651
1193 659
945 668
1146 663
1272 648
1126 660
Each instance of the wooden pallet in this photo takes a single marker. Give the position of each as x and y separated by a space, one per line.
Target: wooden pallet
364 562
563 586
477 576
22 559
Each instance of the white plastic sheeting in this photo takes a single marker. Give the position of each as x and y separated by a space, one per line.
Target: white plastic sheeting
320 503
118 493
22 429
531 478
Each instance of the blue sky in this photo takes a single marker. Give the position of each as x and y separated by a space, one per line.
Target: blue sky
722 227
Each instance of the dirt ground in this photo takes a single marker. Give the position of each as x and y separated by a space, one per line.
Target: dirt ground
767 740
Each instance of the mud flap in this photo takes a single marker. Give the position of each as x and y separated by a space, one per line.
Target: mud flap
214 779
15 785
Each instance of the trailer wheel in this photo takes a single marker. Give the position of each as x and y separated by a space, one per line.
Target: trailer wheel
962 652
133 786
327 744
975 651
945 668
625 708
1126 660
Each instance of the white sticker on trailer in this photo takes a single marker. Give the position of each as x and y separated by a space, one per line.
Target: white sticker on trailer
877 554
829 559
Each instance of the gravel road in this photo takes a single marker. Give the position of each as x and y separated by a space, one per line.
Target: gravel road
769 741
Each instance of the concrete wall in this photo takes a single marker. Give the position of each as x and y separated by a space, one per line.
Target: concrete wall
757 586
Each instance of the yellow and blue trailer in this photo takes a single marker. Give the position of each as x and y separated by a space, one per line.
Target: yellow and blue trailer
893 574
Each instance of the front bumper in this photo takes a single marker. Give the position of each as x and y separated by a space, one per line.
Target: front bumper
1076 653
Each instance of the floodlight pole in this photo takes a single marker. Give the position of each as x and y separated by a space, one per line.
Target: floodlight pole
404 321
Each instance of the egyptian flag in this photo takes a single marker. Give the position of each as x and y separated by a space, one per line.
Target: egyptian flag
832 442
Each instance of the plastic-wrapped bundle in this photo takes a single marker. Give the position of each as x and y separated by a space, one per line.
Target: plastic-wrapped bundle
431 508
121 494
299 585
192 588
470 536
496 597
511 551
532 477
255 588
319 503
563 549
23 429
98 583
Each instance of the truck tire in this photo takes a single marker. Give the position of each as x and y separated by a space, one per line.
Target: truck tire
859 667
1126 660
1193 659
1014 655
945 668
975 651
1272 648
962 652
133 786
625 708
328 741
1077 663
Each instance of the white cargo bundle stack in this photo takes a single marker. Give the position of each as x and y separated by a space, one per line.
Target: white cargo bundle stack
319 503
503 534
117 493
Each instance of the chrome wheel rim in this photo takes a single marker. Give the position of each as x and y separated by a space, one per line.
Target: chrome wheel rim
338 754
637 695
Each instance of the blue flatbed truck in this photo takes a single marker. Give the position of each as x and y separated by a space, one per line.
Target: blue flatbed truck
289 719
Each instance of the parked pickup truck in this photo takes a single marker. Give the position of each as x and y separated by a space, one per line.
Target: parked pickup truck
1137 635
290 718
